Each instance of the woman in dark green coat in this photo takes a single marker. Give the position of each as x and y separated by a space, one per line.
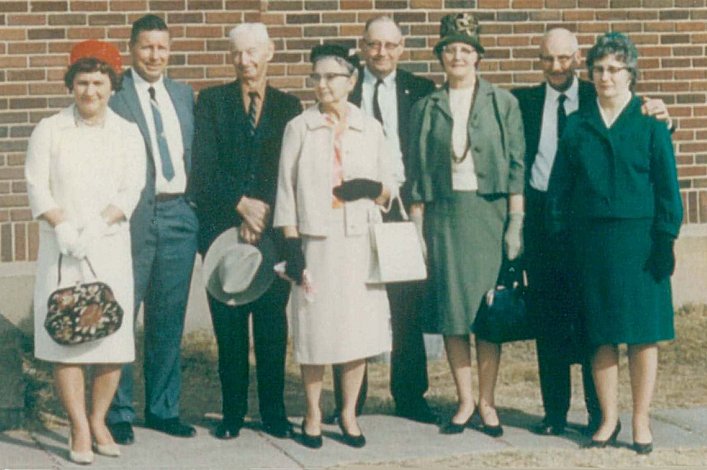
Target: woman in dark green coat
614 193
466 173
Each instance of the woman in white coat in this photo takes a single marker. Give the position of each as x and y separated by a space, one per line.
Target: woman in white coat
85 169
333 173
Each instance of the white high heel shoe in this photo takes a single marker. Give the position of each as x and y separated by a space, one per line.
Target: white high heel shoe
81 458
108 450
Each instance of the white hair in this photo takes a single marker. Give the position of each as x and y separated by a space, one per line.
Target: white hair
256 30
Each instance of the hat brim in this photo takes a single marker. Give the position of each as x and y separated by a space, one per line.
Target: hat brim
263 278
465 38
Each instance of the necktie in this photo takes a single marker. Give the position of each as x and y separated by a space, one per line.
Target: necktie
376 106
252 113
561 114
165 159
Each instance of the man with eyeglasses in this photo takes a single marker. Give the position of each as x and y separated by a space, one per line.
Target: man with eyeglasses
238 136
560 336
387 93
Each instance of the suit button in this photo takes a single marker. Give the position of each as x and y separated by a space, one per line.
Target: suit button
477 148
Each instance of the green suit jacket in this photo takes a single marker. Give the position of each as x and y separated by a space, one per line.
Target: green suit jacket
626 171
495 131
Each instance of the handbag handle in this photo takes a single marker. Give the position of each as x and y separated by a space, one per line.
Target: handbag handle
61 257
403 212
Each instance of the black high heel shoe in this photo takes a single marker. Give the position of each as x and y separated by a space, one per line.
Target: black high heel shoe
643 449
450 427
313 442
492 431
351 440
597 444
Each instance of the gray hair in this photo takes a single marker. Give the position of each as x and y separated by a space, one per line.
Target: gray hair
621 47
381 19
339 60
257 30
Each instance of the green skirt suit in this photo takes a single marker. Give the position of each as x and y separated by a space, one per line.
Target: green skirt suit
611 191
464 230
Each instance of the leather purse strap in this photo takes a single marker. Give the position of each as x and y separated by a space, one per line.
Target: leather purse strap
61 257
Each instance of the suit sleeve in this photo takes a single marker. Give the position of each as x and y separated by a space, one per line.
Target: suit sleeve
209 186
37 171
663 174
285 202
413 171
516 148
562 180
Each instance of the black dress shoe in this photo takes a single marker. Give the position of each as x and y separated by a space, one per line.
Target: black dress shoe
643 449
313 442
597 444
421 413
122 432
450 427
171 426
351 440
492 431
545 428
227 431
282 428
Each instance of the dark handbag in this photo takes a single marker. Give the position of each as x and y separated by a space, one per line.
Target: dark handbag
83 312
503 317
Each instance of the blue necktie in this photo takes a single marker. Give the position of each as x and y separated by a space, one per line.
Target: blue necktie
165 159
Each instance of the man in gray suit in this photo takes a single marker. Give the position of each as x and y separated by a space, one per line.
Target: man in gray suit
163 229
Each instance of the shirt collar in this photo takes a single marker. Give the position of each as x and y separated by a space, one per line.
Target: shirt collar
572 93
370 79
259 89
142 84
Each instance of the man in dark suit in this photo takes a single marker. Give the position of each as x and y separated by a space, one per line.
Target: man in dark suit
163 229
560 337
239 130
388 93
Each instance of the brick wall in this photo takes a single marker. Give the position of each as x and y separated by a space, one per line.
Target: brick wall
36 36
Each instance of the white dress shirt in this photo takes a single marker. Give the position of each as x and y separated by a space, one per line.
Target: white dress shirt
547 146
172 130
388 102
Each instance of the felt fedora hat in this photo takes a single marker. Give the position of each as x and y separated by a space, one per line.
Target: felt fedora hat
237 273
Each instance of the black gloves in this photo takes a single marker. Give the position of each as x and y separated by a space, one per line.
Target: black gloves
358 188
661 262
294 256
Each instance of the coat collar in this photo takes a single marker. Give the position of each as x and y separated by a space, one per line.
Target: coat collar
65 119
314 119
591 116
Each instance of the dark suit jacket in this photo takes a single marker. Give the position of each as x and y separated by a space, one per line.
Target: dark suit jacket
532 103
626 171
409 89
228 163
126 103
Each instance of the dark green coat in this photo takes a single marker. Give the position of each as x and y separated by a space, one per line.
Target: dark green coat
495 132
625 172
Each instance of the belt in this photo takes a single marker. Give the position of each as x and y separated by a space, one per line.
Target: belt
164 197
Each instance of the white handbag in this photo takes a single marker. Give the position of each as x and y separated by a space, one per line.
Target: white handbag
397 250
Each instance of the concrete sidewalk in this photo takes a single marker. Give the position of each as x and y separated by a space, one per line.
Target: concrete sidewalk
390 439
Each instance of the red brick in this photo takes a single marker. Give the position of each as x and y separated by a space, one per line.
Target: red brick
46 33
243 5
199 5
20 215
49 6
13 200
9 6
128 5
33 240
20 242
5 242
89 5
106 19
12 34
26 20
205 32
83 33
167 5
67 20
26 74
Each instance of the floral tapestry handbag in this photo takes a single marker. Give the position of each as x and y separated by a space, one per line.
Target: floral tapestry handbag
86 311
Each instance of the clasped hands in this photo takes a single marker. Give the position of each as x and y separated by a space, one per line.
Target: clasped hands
255 214
77 244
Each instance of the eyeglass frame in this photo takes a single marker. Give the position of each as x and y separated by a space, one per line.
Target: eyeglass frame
379 46
461 48
316 78
562 59
612 70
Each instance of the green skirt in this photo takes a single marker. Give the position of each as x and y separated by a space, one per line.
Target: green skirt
464 236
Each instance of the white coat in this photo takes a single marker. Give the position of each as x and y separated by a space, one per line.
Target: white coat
81 170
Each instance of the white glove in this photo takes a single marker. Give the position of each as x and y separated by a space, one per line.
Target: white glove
67 237
513 239
417 218
92 231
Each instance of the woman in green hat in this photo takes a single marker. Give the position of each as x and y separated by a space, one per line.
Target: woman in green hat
466 175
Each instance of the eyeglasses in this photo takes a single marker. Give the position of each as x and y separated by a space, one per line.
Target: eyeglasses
562 59
316 78
378 46
252 52
465 51
611 70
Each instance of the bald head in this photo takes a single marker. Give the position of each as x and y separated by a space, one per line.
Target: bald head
559 57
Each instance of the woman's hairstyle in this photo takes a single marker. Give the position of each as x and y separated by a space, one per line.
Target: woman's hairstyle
621 47
338 53
90 65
